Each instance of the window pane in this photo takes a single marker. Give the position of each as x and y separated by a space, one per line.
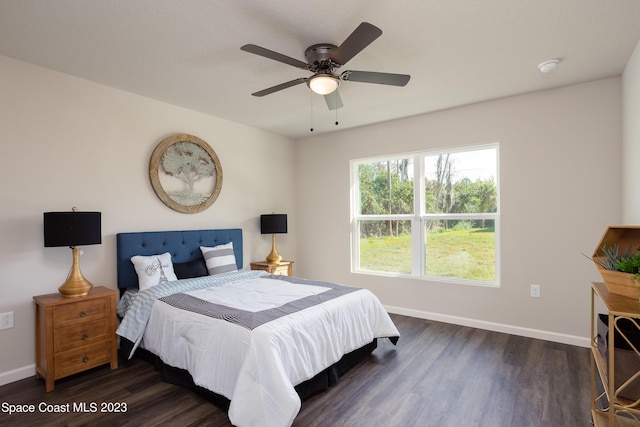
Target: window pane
386 187
385 246
463 182
461 249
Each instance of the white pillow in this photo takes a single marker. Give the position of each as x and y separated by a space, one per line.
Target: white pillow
219 259
153 270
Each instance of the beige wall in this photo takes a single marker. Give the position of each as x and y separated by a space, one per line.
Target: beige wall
69 142
631 138
560 160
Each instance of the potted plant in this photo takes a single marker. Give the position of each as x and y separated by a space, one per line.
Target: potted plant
620 270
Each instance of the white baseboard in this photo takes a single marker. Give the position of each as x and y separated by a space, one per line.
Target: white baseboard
496 327
17 374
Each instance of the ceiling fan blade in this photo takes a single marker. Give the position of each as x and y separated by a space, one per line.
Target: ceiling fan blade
280 87
377 78
358 40
333 100
252 48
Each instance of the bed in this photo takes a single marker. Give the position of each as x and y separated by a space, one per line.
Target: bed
259 342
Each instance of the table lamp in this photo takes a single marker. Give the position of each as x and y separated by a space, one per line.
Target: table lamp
273 224
73 229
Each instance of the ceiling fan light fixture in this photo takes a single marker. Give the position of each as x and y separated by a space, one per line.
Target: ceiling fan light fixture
323 84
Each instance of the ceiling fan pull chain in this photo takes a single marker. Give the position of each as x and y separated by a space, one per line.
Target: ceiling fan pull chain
336 103
311 110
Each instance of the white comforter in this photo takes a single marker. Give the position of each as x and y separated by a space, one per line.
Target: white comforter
258 369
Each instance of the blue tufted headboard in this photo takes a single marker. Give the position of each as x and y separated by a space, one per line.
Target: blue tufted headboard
182 245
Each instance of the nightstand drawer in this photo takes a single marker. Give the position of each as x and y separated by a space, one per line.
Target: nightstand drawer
281 270
80 312
81 335
83 358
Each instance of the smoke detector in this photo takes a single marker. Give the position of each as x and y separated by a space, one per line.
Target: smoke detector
548 66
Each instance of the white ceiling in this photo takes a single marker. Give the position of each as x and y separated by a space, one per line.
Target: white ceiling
188 53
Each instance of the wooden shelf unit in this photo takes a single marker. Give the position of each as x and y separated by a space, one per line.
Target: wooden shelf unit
614 410
74 334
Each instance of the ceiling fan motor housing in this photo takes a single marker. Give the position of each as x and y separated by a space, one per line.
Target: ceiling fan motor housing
319 57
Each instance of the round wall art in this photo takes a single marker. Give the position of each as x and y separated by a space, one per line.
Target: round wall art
185 173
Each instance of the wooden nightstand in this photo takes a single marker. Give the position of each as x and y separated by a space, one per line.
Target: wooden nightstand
283 268
75 334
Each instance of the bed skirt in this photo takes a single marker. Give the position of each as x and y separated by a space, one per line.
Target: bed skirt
325 379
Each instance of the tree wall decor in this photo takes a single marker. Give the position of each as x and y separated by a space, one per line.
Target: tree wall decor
185 173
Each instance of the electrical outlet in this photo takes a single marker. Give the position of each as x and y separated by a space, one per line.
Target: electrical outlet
6 320
535 291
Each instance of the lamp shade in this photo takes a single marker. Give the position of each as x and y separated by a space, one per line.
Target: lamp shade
72 228
273 224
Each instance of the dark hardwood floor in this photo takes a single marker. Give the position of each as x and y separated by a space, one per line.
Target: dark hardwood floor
438 375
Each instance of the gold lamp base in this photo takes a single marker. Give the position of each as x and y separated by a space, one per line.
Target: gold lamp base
75 285
273 257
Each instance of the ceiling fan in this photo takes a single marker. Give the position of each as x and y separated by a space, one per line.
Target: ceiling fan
323 59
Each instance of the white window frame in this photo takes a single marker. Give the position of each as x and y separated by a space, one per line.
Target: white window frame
420 217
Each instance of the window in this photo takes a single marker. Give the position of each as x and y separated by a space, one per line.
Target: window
430 214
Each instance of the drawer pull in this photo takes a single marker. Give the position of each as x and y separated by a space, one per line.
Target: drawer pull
83 313
84 336
85 358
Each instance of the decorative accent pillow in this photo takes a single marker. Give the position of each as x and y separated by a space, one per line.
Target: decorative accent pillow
153 270
187 270
219 259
